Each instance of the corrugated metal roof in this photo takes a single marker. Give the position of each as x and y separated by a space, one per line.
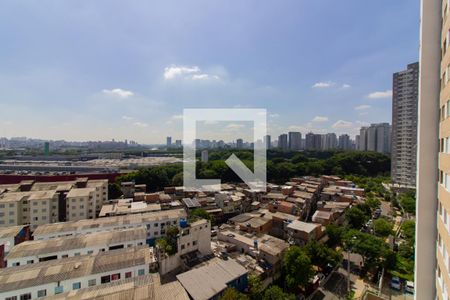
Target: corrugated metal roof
42 247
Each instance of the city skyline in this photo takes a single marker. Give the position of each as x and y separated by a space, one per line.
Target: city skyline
113 87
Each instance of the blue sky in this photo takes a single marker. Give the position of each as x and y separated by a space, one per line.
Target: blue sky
97 70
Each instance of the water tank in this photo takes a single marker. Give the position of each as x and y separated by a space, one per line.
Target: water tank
183 223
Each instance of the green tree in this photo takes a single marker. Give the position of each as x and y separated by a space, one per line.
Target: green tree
233 294
177 180
372 249
334 234
114 191
200 213
355 217
298 268
382 227
276 293
408 202
169 243
256 287
409 230
321 255
373 203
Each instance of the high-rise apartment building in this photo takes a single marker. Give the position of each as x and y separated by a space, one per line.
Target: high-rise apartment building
283 141
405 91
432 267
344 142
376 137
329 141
267 141
383 139
313 141
363 139
239 143
169 141
295 140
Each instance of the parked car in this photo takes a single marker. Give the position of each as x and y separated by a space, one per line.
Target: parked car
409 287
396 283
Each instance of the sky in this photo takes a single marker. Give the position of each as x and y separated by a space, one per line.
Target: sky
98 70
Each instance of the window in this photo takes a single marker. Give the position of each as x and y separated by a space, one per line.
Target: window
26 296
64 256
16 264
194 243
76 285
92 282
59 289
105 279
76 254
42 293
141 272
182 247
29 262
115 276
128 275
90 252
11 298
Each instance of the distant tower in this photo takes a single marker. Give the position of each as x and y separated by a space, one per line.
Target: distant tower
283 141
46 148
205 156
169 141
239 143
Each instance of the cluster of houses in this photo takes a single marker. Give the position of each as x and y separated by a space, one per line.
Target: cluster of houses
117 253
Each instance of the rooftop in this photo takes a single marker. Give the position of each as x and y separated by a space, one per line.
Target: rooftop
127 206
40 247
211 278
70 268
83 192
109 222
303 226
10 232
140 287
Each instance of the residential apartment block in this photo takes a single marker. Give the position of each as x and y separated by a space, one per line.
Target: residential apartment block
404 125
43 203
31 252
59 276
376 137
155 223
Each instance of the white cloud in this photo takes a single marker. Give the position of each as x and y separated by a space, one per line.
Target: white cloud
342 124
346 86
175 71
320 119
127 118
187 72
118 93
140 124
234 126
323 85
362 107
380 95
274 115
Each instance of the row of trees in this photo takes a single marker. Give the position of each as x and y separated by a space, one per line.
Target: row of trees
281 166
